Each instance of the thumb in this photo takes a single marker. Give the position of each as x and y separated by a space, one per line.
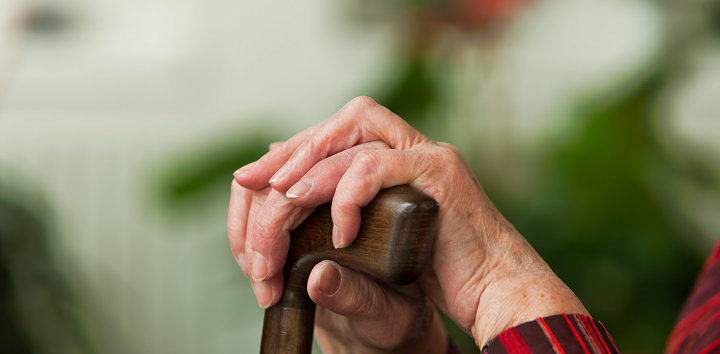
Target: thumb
382 317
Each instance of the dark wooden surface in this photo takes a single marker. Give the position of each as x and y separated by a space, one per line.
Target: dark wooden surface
393 245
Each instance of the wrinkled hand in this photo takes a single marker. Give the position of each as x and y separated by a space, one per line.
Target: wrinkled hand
483 273
355 313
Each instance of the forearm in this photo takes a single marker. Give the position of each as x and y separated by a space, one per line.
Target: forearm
519 287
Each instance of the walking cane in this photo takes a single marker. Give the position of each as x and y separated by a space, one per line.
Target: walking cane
393 245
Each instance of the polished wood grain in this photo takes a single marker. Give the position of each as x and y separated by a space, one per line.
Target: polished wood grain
393 245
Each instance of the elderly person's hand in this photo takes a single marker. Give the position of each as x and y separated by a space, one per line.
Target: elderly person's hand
483 275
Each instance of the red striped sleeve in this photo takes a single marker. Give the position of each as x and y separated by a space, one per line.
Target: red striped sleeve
550 335
574 333
597 333
596 346
577 336
514 341
714 256
698 328
712 347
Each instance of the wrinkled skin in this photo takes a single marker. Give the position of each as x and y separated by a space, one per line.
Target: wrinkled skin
484 276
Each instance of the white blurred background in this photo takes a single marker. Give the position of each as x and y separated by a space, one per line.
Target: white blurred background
98 99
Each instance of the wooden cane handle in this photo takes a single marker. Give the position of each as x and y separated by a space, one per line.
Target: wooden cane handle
393 245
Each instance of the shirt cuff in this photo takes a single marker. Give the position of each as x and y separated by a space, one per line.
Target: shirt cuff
563 333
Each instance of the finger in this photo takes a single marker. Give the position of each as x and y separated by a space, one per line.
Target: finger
256 204
267 243
238 210
269 235
431 168
369 172
382 316
255 175
318 185
269 291
361 120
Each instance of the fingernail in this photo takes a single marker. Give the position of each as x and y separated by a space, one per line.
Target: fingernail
278 175
299 189
264 294
328 281
259 267
245 168
337 243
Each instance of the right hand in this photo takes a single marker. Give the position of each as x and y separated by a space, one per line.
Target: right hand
483 273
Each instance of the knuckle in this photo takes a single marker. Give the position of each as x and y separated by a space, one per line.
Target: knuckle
314 146
450 147
301 152
367 301
447 157
343 208
355 109
274 145
442 163
311 149
366 305
365 163
362 102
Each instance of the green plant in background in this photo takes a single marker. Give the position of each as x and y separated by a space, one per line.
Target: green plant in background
206 173
37 307
601 220
413 92
603 217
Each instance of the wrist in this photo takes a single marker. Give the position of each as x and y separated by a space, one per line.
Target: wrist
518 287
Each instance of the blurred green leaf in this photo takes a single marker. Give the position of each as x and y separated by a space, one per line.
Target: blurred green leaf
412 91
207 171
37 306
602 224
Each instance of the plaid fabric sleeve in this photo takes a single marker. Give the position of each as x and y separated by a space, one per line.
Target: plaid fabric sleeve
698 328
563 333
